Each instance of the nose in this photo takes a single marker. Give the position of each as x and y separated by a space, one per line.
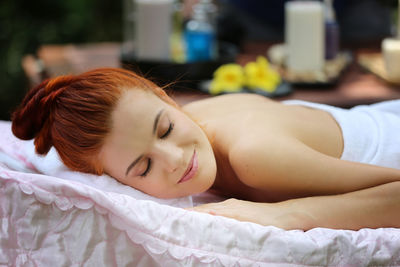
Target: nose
169 154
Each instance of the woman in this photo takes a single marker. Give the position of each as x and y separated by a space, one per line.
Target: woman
292 166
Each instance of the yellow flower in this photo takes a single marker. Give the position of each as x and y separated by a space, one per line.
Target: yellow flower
259 75
227 78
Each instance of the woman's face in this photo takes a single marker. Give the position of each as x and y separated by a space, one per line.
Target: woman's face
156 148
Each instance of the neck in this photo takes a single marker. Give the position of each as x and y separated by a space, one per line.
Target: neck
223 170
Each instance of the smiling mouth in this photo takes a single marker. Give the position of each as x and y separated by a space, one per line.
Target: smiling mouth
191 169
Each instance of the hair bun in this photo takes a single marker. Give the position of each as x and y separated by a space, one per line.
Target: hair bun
32 119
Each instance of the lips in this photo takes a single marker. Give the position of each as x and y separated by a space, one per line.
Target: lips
191 169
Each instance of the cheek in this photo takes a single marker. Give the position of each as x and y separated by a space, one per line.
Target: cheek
115 163
186 129
151 185
159 190
191 132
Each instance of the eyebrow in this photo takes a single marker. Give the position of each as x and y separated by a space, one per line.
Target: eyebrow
156 120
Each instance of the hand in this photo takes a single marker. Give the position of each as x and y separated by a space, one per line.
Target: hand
275 214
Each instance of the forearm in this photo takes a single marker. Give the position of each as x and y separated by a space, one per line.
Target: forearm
374 207
369 208
291 169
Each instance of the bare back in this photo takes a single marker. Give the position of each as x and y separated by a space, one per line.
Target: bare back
236 116
260 144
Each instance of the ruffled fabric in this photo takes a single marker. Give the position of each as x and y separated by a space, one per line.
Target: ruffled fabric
47 222
51 221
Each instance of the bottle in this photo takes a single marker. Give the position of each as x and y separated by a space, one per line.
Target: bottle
200 33
331 31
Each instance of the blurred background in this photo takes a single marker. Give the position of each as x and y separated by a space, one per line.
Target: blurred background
25 26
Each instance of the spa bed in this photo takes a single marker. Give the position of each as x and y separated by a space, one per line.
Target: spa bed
51 216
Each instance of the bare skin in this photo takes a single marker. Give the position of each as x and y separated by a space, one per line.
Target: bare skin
268 152
278 164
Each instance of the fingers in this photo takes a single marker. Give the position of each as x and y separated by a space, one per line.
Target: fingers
227 208
207 208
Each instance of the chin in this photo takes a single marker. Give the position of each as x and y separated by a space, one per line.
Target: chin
208 174
201 183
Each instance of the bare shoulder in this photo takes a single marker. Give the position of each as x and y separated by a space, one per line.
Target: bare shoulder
224 101
258 159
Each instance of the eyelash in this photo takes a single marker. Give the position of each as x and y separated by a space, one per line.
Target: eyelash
147 169
149 163
170 128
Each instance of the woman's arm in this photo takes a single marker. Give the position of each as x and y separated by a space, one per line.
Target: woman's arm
368 208
286 168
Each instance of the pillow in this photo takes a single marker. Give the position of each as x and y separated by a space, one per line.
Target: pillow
20 155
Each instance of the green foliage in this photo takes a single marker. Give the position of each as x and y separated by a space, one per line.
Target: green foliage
393 3
25 25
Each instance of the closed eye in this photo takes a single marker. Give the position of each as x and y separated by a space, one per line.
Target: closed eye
147 168
169 130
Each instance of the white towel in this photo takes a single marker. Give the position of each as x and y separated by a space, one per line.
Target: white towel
371 133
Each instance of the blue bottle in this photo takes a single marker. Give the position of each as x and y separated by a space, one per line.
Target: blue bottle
200 35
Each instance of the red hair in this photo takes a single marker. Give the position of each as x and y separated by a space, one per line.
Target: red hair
73 114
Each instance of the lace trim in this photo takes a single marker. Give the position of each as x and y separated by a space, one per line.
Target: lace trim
160 231
139 234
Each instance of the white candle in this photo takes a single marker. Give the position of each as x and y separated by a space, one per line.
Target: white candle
304 35
391 53
391 57
153 29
